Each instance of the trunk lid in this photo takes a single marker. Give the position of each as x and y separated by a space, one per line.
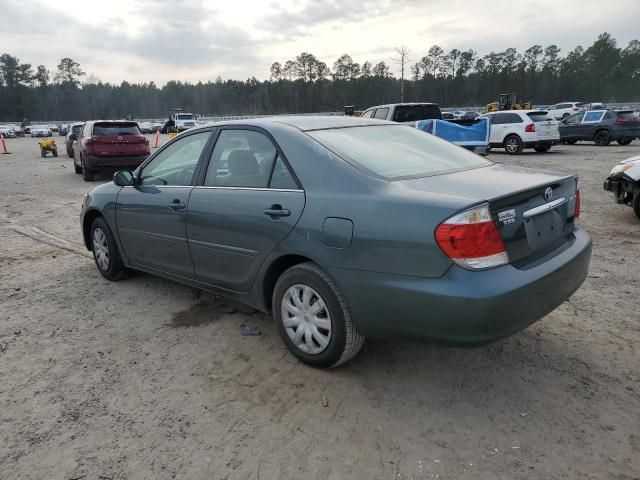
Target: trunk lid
546 127
118 139
530 223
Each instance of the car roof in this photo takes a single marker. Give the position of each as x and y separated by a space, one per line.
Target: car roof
406 104
307 122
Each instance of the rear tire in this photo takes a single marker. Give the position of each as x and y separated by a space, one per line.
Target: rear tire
513 145
87 174
636 202
625 141
105 251
571 141
542 148
77 169
565 115
602 138
323 337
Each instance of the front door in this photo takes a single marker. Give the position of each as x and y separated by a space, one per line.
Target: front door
151 216
245 204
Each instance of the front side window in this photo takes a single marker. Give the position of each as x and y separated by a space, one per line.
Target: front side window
241 158
175 164
574 119
396 151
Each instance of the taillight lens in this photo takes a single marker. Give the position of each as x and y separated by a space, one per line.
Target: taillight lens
530 128
471 239
575 109
576 213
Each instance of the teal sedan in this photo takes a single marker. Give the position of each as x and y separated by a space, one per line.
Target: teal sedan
343 228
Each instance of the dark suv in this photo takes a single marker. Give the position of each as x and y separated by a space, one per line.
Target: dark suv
601 127
109 145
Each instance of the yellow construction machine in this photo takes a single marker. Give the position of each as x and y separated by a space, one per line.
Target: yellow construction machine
509 101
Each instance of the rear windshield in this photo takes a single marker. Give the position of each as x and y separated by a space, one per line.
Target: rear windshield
184 116
396 151
116 128
538 116
413 113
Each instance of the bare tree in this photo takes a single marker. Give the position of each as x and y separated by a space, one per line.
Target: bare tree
402 59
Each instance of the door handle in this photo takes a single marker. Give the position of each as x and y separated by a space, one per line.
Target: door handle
176 205
277 211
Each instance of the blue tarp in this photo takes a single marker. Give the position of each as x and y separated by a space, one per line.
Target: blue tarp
473 136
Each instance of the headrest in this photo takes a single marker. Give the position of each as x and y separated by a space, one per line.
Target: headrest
243 162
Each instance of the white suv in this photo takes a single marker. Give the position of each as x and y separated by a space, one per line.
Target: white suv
516 130
560 111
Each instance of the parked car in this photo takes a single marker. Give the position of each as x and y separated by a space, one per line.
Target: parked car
40 131
448 116
345 227
404 112
601 127
110 144
53 128
64 128
7 131
565 109
72 135
146 127
624 182
515 130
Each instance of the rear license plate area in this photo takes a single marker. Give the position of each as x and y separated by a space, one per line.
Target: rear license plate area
543 229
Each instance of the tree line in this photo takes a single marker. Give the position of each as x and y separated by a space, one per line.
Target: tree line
603 71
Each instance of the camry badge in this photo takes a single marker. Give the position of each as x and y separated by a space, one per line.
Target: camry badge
548 193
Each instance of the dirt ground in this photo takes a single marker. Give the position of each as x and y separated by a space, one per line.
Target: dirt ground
146 379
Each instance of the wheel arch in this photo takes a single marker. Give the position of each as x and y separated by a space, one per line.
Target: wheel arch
87 220
276 268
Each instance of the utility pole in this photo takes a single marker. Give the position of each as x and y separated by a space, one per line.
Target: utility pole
402 59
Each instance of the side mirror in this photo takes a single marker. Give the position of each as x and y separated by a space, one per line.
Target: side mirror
123 178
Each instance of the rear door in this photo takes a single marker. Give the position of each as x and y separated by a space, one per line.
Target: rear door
247 201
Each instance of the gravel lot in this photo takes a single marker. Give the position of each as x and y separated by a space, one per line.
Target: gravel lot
146 378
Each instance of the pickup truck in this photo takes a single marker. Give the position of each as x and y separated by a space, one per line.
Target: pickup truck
472 134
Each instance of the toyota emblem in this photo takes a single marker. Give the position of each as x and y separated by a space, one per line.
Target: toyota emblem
548 193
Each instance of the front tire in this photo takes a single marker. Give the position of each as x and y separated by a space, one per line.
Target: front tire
542 148
636 202
602 138
105 251
571 141
513 145
313 317
625 141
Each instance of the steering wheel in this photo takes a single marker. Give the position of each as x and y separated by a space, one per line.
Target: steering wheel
185 175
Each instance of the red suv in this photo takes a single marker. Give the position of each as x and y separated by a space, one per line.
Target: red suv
109 145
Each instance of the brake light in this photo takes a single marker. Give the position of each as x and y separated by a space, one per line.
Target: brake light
471 239
622 120
575 109
576 213
530 128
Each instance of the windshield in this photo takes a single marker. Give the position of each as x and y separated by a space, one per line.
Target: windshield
397 151
116 128
76 129
413 113
538 116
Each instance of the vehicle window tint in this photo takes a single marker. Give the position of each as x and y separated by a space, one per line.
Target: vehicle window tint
367 114
175 164
394 151
538 116
118 129
626 116
593 116
514 118
281 177
413 113
241 158
381 113
500 118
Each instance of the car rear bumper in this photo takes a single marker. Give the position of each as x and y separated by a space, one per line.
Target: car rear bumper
466 307
114 162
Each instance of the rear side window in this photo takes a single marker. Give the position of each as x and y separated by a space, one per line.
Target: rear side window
241 158
627 116
367 114
413 113
396 151
115 128
381 113
281 177
503 118
538 116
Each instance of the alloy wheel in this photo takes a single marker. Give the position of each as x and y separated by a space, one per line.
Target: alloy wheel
512 145
101 249
306 319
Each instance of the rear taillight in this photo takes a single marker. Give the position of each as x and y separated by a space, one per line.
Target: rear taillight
576 212
575 109
472 240
622 120
530 128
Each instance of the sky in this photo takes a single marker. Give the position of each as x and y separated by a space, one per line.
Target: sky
199 40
